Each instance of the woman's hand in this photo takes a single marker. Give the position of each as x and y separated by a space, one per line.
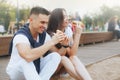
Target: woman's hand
78 28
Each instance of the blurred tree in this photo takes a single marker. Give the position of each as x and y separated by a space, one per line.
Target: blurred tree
24 14
4 13
8 13
100 18
87 20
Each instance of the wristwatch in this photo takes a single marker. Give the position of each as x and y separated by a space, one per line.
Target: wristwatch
65 46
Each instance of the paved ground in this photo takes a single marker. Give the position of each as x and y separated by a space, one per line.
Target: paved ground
3 64
88 54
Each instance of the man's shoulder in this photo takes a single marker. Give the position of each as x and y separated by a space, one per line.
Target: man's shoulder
20 37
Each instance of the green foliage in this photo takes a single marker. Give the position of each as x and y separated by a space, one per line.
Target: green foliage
4 15
24 14
87 20
8 13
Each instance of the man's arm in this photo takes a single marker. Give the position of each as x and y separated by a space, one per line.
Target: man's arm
31 54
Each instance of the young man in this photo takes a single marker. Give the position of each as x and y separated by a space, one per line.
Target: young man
28 47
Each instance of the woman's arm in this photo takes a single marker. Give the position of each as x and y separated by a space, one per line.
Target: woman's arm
76 38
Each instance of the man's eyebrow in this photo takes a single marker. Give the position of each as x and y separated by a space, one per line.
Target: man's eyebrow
43 22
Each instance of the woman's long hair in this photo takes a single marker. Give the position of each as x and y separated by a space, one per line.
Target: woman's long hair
56 20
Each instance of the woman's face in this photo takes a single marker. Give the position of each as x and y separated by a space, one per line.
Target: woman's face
65 21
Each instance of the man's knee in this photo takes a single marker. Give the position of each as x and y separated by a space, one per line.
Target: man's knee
56 56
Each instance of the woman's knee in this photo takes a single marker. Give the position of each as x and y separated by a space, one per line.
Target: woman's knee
64 58
73 57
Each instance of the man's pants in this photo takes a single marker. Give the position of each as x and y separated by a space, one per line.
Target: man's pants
27 71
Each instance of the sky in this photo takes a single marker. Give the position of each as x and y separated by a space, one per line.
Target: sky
81 6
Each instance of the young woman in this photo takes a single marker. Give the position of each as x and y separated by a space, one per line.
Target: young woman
68 47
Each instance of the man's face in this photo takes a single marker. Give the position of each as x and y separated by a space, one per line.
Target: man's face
39 23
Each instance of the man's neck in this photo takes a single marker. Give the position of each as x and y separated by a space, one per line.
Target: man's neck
33 33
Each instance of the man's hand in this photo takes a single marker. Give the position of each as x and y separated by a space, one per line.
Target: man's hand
65 42
58 37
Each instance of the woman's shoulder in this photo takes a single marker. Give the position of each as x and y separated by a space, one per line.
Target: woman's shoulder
68 31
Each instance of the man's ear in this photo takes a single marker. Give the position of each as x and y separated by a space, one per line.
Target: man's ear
30 19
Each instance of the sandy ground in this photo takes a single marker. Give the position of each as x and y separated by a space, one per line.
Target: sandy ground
108 69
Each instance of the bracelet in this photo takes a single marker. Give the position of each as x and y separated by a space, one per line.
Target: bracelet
58 46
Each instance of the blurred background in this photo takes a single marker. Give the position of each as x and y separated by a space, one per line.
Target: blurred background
93 13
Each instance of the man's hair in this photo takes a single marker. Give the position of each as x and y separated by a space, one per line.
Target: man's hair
39 10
